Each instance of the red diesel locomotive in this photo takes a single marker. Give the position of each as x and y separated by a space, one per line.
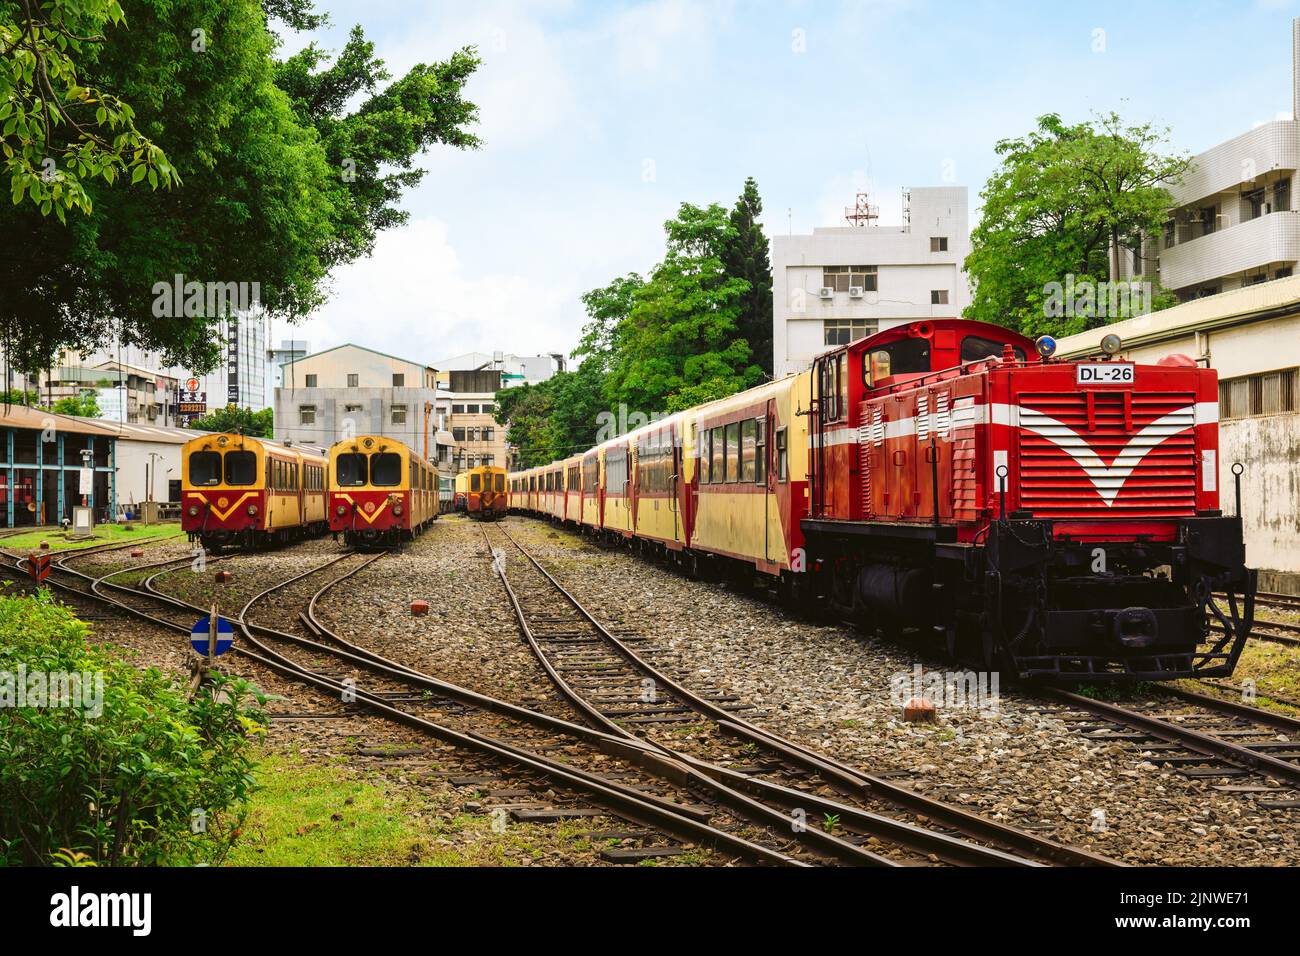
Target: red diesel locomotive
1053 518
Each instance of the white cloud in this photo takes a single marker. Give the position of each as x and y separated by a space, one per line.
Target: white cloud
413 298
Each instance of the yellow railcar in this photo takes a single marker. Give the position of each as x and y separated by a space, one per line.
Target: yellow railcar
249 492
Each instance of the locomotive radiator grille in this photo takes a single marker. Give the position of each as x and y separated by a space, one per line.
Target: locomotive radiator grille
1107 454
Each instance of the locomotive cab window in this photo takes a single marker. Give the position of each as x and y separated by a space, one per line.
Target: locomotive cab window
975 348
205 468
241 467
385 469
904 357
350 470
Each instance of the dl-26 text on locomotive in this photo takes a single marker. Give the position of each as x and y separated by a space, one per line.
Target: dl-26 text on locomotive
1053 519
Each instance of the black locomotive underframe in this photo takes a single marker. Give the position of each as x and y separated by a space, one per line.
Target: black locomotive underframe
1049 607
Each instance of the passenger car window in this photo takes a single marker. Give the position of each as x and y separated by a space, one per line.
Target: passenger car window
350 470
241 467
733 451
205 468
748 449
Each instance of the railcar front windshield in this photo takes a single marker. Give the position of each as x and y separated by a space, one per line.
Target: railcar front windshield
205 468
385 469
350 470
475 482
241 468
500 483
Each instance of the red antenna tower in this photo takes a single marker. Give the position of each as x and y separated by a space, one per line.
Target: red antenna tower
862 212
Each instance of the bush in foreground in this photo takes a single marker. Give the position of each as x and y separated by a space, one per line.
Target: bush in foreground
103 763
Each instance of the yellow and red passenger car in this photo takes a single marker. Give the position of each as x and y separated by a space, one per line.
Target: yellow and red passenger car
380 491
250 492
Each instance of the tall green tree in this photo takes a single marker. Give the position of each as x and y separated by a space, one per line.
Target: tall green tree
746 256
57 130
277 184
680 344
1064 202
238 421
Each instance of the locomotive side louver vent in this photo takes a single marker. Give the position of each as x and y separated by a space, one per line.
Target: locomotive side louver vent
923 417
1130 453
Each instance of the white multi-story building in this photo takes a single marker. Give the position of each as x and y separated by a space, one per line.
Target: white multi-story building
289 352
515 369
842 283
1234 222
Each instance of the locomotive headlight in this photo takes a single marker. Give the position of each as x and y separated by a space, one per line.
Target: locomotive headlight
194 511
341 510
397 508
252 509
1046 346
1110 343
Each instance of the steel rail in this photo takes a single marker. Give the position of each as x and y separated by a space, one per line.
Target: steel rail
1196 741
625 802
849 780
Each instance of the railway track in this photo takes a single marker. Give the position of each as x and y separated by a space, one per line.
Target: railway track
625 694
1198 735
410 698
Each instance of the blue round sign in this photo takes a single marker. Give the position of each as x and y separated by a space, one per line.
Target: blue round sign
199 635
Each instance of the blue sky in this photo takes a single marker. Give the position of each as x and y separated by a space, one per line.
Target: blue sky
600 118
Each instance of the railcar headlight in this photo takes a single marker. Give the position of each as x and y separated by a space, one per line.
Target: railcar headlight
194 511
397 508
252 509
1046 346
341 510
1110 343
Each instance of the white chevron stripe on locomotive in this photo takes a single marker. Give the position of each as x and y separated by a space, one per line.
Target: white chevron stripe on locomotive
1107 480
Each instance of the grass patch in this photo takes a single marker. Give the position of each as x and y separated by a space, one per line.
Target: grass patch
312 814
104 534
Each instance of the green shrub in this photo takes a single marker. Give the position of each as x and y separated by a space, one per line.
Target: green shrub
127 782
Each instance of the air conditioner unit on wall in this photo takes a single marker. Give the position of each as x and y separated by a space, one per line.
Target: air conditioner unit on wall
826 292
855 292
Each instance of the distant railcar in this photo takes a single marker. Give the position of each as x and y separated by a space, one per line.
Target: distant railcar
241 491
380 491
486 496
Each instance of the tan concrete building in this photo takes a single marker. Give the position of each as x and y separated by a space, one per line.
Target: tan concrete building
1251 336
469 397
352 390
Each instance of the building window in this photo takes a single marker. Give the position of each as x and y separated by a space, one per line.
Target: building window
1266 393
844 331
458 409
306 414
1283 273
938 243
399 380
471 409
938 296
311 380
1209 219
1252 205
1282 195
844 278
1170 233
488 434
458 434
353 379
399 414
